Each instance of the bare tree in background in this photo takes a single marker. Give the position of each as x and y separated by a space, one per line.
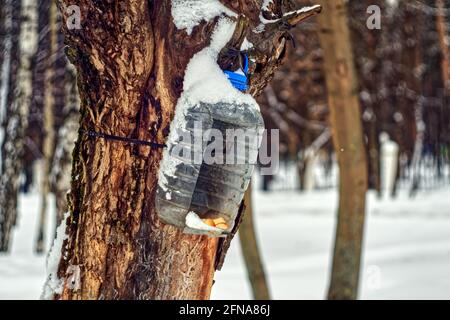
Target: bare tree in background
345 118
441 26
35 129
49 134
16 115
3 24
368 49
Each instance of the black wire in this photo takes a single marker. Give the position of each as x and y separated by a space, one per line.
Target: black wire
94 134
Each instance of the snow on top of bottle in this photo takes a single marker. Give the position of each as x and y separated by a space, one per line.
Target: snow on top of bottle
204 82
189 13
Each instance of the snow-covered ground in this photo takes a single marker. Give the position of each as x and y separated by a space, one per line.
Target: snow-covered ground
407 249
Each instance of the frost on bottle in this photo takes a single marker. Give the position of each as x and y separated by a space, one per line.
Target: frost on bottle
200 186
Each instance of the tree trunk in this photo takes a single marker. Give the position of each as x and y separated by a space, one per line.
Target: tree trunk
345 118
67 134
441 25
130 75
251 253
49 134
15 122
3 36
412 100
8 67
35 128
368 54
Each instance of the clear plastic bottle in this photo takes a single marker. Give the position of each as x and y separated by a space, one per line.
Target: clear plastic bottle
200 196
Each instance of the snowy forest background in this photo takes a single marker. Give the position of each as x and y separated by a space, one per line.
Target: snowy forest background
404 90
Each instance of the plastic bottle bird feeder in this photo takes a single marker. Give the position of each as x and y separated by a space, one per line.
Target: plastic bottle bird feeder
202 197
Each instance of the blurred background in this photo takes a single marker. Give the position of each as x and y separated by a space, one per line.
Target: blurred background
403 79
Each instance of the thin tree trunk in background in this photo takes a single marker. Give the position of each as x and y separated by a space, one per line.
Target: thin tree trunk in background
416 160
345 118
49 134
251 253
408 86
368 53
441 25
15 121
8 33
3 38
35 130
374 154
130 76
413 98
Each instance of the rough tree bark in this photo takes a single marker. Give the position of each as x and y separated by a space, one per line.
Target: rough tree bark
251 253
345 118
15 121
131 59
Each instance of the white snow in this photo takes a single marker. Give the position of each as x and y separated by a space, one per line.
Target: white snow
22 272
407 248
260 28
205 81
266 4
302 10
406 256
246 45
189 13
194 222
54 284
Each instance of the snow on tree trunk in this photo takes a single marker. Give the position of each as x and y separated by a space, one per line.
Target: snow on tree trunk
345 118
67 135
15 122
131 69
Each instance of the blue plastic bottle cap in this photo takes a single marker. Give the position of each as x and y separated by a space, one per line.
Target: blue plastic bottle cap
239 80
